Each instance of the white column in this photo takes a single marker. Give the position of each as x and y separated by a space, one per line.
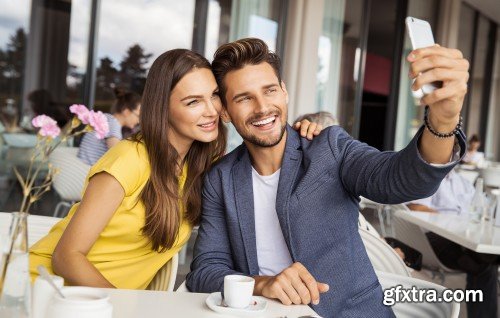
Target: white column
448 23
304 25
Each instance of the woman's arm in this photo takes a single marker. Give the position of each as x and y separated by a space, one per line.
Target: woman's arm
100 201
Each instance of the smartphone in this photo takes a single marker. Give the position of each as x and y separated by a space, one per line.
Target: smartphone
420 33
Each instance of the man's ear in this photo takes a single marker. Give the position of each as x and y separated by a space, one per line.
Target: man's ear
225 116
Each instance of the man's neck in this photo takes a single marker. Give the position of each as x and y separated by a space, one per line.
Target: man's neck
267 160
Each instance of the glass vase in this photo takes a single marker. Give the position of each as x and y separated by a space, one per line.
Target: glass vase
15 287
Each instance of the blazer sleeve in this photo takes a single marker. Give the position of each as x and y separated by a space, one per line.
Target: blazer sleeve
212 252
387 177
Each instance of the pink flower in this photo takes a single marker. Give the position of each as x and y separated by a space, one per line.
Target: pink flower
42 120
81 111
50 130
48 126
99 122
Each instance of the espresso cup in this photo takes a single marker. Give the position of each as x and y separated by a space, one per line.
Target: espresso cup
80 302
238 290
43 293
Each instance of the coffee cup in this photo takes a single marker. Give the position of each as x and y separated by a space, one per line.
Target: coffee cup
81 302
238 291
43 293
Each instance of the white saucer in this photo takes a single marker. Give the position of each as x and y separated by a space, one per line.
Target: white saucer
214 302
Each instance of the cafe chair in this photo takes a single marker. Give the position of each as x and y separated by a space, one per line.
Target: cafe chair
183 288
417 309
70 180
468 174
164 279
412 235
491 177
380 208
38 226
382 255
364 224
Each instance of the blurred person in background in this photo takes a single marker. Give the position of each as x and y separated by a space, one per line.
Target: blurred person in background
126 112
473 155
454 197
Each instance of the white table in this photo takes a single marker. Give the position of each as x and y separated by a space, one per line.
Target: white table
146 303
480 237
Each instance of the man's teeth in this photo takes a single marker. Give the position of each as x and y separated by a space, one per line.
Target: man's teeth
264 121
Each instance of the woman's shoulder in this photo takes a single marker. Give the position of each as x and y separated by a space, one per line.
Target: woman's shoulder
126 154
128 162
130 149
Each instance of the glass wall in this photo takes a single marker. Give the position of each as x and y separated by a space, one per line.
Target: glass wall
13 34
409 118
255 18
213 28
379 64
44 60
339 60
477 79
131 35
492 142
465 43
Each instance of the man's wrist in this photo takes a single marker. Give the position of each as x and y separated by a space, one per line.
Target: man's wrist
443 125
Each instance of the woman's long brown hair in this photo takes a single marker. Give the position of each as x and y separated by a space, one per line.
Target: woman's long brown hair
161 195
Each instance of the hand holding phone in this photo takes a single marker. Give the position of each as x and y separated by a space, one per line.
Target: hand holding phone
420 33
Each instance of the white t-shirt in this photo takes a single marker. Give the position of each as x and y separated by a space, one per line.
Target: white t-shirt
272 252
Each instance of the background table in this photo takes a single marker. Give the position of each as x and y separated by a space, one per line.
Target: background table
480 237
145 303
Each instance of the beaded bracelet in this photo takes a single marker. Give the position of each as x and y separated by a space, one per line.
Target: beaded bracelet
438 134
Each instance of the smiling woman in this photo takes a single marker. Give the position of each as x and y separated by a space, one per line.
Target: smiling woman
144 195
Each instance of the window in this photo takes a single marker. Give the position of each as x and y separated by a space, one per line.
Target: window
339 60
255 18
131 35
409 118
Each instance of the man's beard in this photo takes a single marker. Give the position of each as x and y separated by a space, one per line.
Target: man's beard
253 139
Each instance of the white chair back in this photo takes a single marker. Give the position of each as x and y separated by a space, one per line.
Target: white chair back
164 279
72 173
415 309
412 235
491 176
382 255
364 224
38 226
470 175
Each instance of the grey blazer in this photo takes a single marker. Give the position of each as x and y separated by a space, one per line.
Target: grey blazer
317 205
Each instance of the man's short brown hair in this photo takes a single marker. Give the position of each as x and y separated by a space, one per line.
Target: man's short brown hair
236 55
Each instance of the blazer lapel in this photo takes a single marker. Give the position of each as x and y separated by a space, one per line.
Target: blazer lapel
290 165
243 192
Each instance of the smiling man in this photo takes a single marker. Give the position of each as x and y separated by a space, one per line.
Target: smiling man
284 209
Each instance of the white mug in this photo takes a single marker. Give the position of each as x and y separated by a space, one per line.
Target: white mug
238 290
80 302
42 295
